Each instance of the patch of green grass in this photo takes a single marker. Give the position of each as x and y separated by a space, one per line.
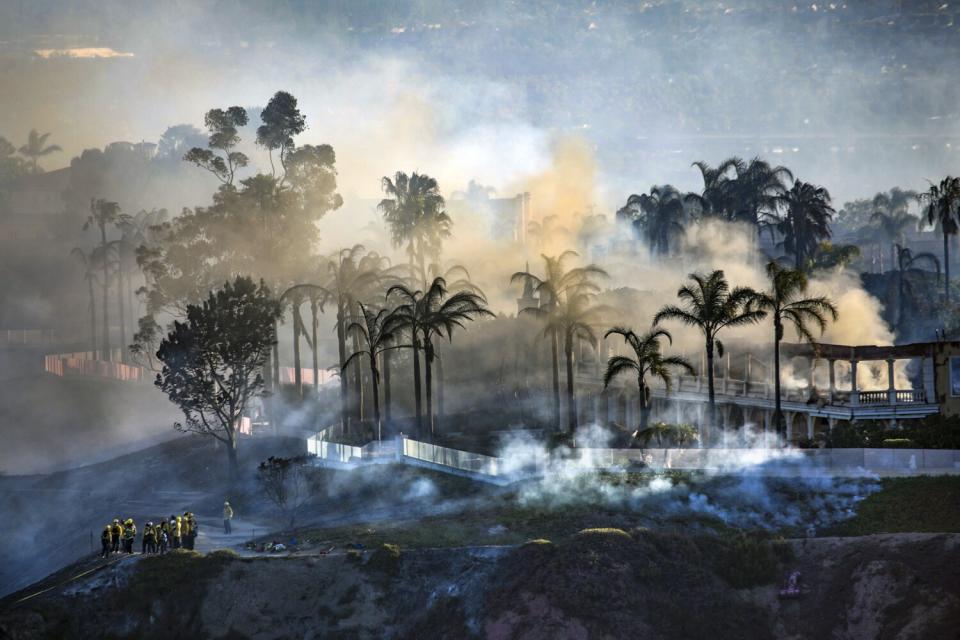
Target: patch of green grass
929 504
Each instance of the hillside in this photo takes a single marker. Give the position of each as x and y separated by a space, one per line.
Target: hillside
602 583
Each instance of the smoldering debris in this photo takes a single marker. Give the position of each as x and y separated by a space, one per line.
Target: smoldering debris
756 487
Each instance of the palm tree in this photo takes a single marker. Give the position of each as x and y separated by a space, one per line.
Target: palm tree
90 275
647 360
711 306
427 316
758 190
942 202
35 149
807 220
891 226
119 250
659 216
557 283
317 296
102 215
785 303
907 262
376 331
414 211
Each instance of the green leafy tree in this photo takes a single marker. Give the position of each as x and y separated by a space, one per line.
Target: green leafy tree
647 360
785 303
711 306
213 361
36 148
940 208
414 211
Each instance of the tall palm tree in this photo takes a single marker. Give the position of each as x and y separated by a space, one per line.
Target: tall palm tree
377 334
908 265
891 226
659 216
647 360
118 250
317 296
806 222
785 302
556 283
941 203
429 315
90 275
103 214
35 149
711 306
414 211
758 190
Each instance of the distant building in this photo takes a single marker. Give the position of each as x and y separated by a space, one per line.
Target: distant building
507 217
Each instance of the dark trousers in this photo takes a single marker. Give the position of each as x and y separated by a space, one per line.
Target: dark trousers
226 526
115 545
176 542
128 545
106 544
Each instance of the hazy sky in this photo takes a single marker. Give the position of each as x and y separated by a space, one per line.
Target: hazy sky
858 96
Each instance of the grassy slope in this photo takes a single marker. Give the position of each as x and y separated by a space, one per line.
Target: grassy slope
924 504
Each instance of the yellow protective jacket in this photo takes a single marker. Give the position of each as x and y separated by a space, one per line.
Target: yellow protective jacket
227 512
178 528
116 530
150 533
107 535
129 532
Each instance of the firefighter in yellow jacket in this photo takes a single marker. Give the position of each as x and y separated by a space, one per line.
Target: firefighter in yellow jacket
106 541
189 532
116 532
129 534
227 517
175 532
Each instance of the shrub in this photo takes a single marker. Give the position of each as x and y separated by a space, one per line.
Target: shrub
898 443
385 559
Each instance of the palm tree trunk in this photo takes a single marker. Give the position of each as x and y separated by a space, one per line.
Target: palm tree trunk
416 387
344 388
386 387
712 423
375 385
313 346
644 408
428 383
357 382
571 404
556 380
777 407
93 317
120 305
106 295
900 306
275 364
440 404
297 372
946 269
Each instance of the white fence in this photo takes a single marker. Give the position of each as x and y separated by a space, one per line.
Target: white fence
854 462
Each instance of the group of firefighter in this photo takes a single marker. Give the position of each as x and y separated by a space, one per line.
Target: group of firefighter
174 533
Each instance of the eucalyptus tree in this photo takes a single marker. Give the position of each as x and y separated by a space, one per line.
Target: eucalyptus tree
647 360
659 216
221 157
557 283
378 333
806 221
36 148
785 302
316 295
104 214
941 203
710 305
908 264
415 212
282 120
